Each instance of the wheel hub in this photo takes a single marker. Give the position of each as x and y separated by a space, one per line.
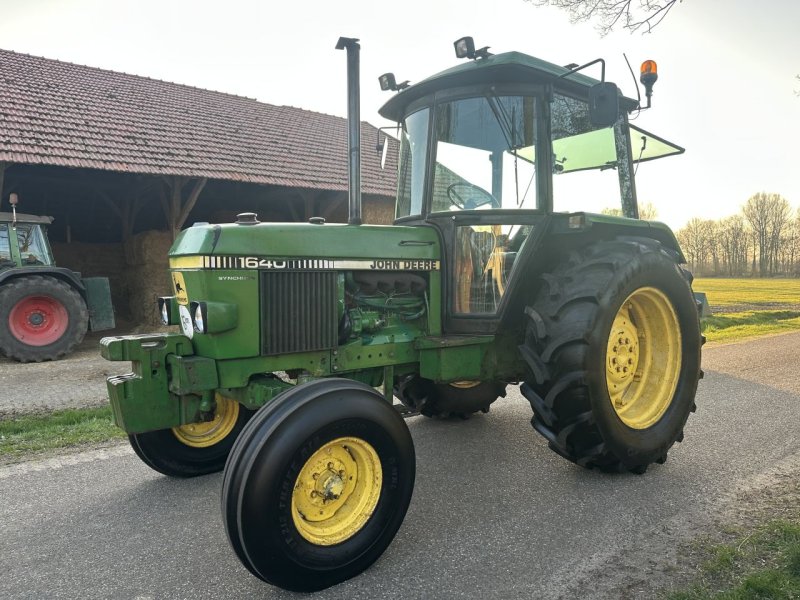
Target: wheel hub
336 491
38 320
622 356
643 358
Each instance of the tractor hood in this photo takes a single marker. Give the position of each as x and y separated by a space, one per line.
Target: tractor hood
242 246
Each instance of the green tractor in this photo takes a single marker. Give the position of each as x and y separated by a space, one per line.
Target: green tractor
45 310
288 329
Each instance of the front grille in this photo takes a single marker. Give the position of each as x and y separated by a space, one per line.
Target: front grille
298 311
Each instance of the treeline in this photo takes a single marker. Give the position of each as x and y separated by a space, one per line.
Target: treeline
762 241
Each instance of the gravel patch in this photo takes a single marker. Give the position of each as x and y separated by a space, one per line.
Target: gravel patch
74 382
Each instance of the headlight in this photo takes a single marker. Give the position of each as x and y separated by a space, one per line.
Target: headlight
213 317
164 313
198 317
168 310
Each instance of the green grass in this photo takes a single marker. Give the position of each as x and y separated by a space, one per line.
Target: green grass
751 292
762 564
730 327
23 436
748 308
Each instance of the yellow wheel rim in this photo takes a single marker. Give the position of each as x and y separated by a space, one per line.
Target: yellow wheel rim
465 385
643 358
337 491
209 433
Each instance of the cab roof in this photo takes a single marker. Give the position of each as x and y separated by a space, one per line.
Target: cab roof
508 67
7 217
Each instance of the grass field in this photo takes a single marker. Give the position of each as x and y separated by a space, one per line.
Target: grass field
746 308
749 294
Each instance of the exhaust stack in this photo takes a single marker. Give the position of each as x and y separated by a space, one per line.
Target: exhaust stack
354 128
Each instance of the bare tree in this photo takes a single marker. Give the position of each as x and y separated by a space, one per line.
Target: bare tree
733 236
711 234
694 243
629 14
790 246
647 212
767 215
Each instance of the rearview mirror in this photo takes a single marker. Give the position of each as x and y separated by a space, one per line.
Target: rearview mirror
603 104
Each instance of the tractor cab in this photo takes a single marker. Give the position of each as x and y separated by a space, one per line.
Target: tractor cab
23 242
497 146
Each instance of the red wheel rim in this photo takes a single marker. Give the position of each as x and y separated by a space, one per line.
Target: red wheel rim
38 320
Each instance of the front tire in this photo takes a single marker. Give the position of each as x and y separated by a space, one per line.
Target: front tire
318 484
613 345
196 448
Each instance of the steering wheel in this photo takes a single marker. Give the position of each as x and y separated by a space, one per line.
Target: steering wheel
482 197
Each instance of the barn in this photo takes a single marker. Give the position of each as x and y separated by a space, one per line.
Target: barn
123 163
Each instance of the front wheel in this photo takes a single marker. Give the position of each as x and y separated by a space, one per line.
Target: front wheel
318 484
613 344
196 448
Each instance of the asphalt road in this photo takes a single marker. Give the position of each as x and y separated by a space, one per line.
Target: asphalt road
495 514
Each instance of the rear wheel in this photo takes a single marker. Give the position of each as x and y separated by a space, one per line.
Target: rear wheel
196 448
318 484
613 345
41 318
456 399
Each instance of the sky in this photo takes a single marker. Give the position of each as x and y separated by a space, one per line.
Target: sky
727 90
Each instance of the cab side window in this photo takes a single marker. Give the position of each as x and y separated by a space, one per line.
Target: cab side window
5 247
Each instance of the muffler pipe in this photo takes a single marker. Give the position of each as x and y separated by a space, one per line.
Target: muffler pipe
354 128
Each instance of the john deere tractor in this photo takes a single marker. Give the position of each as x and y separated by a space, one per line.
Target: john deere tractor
287 330
45 310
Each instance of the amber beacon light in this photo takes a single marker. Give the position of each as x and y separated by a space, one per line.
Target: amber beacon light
648 74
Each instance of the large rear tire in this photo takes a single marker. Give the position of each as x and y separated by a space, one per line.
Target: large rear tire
41 318
318 484
613 345
196 448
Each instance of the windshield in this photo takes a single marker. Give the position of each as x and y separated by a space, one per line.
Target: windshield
484 154
32 249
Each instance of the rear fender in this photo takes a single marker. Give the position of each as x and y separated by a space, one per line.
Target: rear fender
560 234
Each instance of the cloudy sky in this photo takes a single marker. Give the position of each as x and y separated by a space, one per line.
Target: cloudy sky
726 92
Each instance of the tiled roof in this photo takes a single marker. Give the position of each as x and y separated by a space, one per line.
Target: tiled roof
59 113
